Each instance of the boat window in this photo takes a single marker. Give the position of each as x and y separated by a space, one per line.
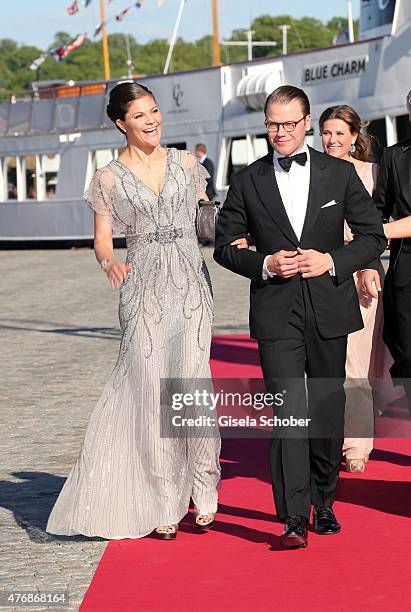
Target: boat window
98 159
377 130
10 178
28 168
50 163
403 127
101 158
261 146
237 156
309 138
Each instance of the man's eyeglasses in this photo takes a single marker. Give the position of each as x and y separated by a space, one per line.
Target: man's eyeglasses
288 126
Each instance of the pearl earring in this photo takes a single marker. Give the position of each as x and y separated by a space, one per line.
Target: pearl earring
352 148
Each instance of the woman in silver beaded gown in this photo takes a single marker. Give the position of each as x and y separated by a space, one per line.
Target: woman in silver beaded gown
128 480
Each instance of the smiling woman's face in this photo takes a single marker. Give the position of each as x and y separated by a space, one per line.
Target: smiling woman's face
337 138
142 122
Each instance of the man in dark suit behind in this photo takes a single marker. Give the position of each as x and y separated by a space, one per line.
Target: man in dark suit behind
303 301
201 153
393 199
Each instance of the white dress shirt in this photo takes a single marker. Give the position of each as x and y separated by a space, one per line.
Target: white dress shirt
294 187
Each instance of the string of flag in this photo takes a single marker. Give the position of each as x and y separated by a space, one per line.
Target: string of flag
62 52
74 8
117 17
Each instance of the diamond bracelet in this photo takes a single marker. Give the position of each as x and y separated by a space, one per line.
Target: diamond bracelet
103 263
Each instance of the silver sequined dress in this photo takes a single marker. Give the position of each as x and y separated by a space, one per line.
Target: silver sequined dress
128 479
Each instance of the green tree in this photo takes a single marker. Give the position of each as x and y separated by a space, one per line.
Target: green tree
86 63
61 39
338 24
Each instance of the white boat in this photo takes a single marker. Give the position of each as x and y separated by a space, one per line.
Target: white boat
53 140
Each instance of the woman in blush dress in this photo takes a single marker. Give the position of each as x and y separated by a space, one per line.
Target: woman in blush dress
129 481
342 137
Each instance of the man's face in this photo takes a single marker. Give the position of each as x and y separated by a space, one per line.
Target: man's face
199 152
284 142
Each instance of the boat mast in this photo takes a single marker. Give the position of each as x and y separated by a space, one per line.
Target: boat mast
174 36
350 21
105 40
216 41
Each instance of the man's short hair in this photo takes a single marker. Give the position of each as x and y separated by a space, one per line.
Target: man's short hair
201 147
409 98
286 94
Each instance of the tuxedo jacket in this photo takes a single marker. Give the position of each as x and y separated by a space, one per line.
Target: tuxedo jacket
393 198
209 166
254 206
393 193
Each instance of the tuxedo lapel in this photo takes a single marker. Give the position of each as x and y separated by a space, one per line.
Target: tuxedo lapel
403 164
266 185
317 194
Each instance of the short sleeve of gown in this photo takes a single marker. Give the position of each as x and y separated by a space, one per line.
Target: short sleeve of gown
100 196
198 173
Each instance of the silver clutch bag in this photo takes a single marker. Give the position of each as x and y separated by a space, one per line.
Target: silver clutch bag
206 219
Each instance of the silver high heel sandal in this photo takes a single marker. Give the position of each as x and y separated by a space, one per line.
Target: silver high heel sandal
165 532
200 520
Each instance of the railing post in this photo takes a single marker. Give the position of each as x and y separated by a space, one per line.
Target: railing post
30 130
103 107
9 115
53 114
77 115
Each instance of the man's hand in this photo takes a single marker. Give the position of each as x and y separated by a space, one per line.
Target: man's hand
283 263
312 263
371 283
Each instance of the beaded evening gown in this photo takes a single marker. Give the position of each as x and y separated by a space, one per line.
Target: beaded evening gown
128 479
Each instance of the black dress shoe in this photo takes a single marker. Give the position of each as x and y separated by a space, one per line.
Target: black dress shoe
325 522
295 532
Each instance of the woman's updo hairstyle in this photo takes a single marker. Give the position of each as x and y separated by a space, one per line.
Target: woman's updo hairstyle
363 144
120 97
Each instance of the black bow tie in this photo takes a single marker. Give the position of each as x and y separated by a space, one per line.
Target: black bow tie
285 162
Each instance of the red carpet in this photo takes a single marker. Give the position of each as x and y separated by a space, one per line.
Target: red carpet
239 566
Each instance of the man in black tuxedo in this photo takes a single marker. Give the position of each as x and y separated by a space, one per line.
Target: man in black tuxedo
393 199
201 153
303 301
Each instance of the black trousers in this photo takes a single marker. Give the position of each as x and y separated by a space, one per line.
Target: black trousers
305 462
397 312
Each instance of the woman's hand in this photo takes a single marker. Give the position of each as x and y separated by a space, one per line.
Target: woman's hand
241 243
116 272
370 283
364 300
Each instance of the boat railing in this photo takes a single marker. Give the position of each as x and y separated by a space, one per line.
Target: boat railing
62 109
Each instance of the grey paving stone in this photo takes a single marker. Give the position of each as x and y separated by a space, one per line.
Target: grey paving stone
59 339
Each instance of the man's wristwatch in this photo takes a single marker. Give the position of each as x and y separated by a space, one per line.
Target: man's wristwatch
104 263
